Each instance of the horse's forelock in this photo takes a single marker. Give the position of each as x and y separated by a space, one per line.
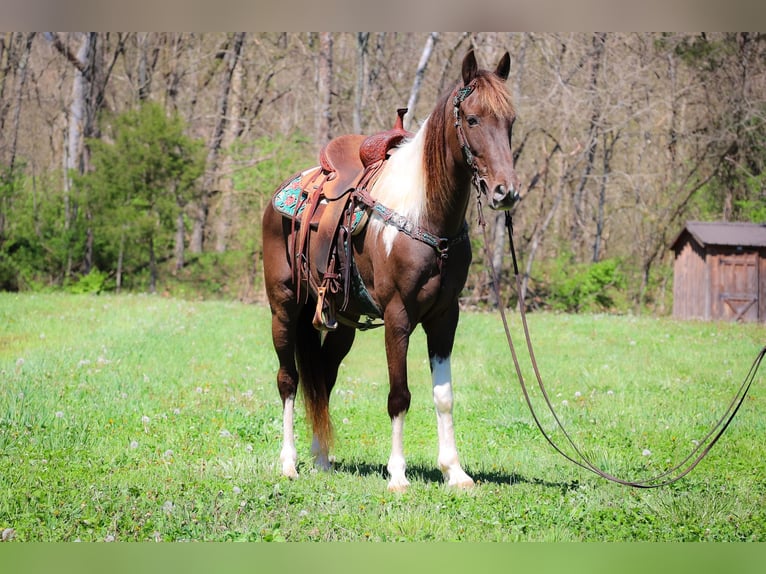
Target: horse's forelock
494 95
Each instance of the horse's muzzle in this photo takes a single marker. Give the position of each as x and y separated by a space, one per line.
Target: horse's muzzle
503 197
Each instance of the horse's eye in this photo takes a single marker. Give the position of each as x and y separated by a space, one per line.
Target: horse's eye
473 121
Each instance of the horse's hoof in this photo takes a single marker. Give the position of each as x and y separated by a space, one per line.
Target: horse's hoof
398 484
459 479
288 470
464 484
323 464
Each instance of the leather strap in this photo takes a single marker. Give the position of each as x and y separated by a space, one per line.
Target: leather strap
663 479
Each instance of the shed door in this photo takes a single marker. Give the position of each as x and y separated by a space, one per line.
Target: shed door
737 287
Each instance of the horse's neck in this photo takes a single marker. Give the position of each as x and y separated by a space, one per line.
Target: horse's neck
448 184
430 192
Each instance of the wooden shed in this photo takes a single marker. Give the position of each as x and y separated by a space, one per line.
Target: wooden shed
720 272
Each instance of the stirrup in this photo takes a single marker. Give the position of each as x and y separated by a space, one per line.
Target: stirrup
324 315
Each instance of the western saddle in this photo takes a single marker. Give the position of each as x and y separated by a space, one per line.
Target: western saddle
332 193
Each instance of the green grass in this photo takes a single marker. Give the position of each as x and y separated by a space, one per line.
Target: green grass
145 418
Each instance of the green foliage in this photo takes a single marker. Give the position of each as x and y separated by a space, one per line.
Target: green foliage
261 166
92 283
142 178
213 275
585 287
37 246
753 207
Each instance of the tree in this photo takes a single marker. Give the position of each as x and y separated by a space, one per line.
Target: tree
88 92
231 57
324 123
137 185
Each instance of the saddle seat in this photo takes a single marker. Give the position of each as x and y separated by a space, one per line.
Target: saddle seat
346 157
326 213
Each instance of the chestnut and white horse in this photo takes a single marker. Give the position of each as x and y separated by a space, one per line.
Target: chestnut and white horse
412 272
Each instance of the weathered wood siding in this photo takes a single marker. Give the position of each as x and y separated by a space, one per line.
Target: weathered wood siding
691 284
734 280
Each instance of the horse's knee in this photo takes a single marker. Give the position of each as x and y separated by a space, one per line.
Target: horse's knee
287 383
398 402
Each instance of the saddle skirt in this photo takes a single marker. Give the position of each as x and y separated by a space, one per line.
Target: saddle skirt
290 200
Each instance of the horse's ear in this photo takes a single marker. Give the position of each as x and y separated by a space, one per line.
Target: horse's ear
470 67
504 67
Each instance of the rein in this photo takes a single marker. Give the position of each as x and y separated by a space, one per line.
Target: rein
669 476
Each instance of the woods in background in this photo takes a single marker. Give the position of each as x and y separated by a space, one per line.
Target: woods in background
142 161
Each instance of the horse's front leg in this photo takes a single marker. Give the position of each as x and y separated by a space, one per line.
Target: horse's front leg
397 338
440 334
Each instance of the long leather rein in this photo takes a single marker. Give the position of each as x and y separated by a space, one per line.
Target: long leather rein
578 457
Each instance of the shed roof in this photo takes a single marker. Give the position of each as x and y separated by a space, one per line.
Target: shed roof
727 233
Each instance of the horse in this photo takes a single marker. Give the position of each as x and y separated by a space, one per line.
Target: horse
410 260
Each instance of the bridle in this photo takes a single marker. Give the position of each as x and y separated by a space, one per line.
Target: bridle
671 475
460 95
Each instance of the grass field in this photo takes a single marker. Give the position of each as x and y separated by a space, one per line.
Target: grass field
144 418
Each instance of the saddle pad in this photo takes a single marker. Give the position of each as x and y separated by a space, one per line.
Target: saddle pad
291 196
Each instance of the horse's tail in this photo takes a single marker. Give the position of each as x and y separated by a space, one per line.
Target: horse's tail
312 378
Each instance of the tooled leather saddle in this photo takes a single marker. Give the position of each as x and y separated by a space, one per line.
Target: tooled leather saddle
327 205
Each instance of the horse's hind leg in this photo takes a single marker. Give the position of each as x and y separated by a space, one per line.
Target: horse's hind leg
284 314
334 348
283 334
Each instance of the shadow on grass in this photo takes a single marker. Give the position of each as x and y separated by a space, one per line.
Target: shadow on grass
430 474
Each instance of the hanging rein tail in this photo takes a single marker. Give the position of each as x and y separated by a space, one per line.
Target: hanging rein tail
671 475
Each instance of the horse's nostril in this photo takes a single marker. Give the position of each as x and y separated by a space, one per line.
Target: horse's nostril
505 195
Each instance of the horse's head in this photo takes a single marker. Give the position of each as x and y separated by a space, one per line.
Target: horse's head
484 117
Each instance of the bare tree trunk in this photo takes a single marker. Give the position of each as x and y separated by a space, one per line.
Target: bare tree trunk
20 85
608 151
199 228
178 250
9 174
534 244
227 215
324 128
362 42
578 224
498 243
148 55
152 267
6 40
539 232
173 75
446 73
419 73
120 261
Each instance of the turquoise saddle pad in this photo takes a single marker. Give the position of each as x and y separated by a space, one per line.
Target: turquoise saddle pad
289 201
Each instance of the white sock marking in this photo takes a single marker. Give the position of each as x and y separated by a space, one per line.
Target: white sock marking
396 463
288 456
441 377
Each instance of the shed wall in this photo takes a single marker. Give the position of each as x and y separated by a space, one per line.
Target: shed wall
691 283
734 281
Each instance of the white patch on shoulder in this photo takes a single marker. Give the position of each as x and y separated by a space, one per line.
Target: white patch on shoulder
401 187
